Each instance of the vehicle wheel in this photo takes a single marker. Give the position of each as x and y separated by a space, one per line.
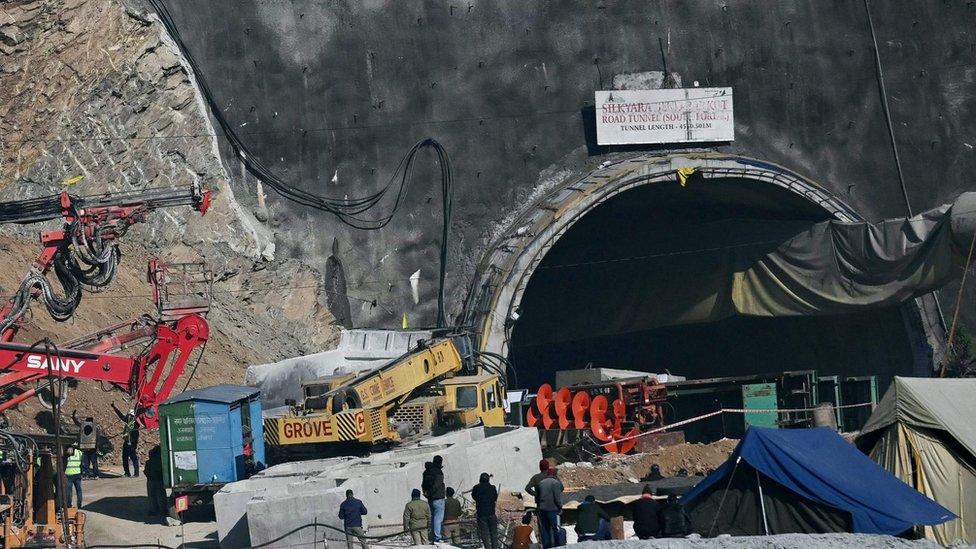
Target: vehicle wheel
46 397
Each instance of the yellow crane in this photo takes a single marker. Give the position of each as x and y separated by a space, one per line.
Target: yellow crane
419 392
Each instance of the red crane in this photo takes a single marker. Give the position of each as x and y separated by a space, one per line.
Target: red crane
84 252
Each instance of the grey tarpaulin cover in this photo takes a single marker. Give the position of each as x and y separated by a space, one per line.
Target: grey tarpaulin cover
837 267
770 268
924 432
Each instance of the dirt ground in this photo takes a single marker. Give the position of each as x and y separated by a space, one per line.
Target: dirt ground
613 469
115 514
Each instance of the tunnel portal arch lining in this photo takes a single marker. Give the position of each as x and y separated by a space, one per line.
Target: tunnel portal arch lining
506 268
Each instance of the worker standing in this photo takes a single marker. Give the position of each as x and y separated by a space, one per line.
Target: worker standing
130 445
646 511
550 505
452 518
485 498
416 519
351 512
155 490
434 491
130 442
532 488
88 442
72 474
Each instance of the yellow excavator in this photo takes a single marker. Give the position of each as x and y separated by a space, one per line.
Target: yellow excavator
419 393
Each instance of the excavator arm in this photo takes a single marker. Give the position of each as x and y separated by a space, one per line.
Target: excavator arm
84 253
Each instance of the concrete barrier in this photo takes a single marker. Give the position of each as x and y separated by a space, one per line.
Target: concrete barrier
280 500
230 505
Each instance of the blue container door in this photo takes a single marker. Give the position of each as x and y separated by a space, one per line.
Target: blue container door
215 442
257 433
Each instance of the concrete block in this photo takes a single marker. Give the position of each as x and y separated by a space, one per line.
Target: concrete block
230 505
385 493
288 517
510 454
305 492
310 467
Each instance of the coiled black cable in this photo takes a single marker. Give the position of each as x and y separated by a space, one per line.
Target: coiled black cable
348 211
85 262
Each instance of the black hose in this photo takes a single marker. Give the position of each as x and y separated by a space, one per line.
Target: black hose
90 262
508 364
348 211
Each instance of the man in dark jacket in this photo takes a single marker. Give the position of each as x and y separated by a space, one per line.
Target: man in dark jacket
550 496
130 442
155 489
592 522
485 497
532 488
434 491
351 512
645 511
674 521
653 474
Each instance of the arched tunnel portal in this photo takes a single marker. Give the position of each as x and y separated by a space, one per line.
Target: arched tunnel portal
617 269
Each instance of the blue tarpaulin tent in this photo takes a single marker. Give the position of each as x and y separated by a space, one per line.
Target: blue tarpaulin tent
840 489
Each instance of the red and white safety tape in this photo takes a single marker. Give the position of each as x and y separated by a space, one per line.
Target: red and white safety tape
732 411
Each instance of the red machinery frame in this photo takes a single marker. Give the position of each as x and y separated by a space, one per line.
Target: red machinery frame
614 412
149 376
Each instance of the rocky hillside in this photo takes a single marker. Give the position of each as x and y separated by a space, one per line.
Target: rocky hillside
97 100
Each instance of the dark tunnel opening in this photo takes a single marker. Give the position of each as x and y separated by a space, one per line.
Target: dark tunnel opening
627 286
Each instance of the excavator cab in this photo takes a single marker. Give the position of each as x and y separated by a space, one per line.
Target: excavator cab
473 400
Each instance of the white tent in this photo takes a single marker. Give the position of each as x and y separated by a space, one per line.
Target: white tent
924 432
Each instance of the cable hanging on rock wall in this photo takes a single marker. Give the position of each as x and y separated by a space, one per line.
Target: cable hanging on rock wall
349 211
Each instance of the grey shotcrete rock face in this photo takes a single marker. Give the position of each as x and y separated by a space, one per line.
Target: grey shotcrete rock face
319 90
96 100
330 96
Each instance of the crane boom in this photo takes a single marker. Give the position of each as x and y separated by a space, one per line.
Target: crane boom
422 389
46 208
397 379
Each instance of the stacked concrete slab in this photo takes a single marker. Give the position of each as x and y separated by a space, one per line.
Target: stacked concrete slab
280 501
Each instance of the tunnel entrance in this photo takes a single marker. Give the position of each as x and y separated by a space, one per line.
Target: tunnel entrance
625 286
615 270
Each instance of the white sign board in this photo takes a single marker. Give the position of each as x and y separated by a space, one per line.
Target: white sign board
636 117
186 460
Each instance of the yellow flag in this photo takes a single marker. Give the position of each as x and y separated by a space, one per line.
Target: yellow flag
405 324
684 174
72 180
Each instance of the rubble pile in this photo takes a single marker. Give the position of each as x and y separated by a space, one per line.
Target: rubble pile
697 459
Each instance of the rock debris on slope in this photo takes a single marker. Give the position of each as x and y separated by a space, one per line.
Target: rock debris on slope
95 90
